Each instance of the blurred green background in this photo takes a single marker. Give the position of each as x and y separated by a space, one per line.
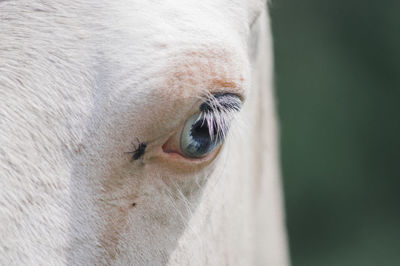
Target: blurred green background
338 88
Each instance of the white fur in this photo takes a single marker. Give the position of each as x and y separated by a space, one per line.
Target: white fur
80 80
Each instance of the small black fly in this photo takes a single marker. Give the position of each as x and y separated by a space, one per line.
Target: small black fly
138 151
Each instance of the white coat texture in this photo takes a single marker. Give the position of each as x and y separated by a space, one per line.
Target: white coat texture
80 81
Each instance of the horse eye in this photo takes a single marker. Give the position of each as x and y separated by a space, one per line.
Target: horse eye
198 137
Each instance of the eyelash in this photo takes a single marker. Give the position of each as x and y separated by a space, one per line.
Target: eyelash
218 110
218 123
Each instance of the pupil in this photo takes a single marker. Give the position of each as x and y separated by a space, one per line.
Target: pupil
201 134
200 130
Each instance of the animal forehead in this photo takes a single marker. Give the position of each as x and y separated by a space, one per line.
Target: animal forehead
145 49
171 8
171 19
171 54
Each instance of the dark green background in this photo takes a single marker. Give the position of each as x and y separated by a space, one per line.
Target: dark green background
338 89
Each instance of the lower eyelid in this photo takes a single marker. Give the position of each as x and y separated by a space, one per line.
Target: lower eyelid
177 157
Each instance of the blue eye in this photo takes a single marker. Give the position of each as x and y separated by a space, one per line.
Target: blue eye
198 138
205 131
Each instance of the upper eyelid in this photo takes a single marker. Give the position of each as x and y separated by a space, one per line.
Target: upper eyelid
222 102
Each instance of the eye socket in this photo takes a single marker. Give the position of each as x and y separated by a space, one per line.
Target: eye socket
203 132
200 136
